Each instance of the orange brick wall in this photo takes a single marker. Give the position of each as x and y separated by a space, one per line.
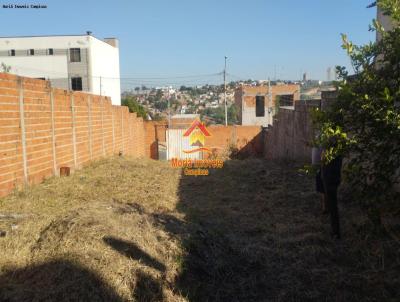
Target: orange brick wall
248 139
76 129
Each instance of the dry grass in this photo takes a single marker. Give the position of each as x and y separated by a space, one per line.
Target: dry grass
130 230
81 223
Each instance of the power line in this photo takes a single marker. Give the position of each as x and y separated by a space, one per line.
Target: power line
176 77
121 78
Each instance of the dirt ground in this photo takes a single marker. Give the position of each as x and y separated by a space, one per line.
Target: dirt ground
138 230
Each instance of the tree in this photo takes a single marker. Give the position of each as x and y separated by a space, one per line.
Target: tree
134 106
232 84
277 104
156 117
364 123
161 105
232 114
5 68
159 94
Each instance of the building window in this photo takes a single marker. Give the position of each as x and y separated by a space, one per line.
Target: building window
50 51
31 52
260 105
75 54
76 84
12 52
286 100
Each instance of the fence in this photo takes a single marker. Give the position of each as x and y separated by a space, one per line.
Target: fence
44 128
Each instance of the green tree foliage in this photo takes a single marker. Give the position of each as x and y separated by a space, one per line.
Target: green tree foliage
161 105
156 117
218 114
134 106
184 88
5 68
232 114
232 85
277 104
364 123
159 94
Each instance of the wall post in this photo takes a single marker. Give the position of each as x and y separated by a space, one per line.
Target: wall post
90 126
23 129
122 130
73 129
102 125
53 131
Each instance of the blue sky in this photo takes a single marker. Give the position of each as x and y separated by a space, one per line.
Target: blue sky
165 38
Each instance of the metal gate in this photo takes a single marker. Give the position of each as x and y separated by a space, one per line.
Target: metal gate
177 143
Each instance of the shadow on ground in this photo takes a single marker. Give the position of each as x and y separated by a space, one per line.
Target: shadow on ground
256 233
233 250
59 280
131 250
63 280
147 288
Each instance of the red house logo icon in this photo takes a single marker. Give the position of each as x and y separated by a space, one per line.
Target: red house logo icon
197 134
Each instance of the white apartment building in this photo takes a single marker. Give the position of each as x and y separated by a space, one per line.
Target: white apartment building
73 62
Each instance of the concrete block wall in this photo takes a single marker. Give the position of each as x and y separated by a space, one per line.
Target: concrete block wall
245 100
291 134
43 129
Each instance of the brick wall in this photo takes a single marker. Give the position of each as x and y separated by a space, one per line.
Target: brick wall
43 129
247 139
155 132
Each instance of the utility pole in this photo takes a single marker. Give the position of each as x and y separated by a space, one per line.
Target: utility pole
226 107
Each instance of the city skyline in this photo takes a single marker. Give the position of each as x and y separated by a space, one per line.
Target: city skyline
186 42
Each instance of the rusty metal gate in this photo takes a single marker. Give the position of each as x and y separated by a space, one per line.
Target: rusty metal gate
177 143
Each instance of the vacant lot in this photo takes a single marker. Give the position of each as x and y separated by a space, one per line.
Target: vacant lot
137 230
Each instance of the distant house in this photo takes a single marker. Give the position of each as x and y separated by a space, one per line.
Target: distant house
73 62
183 121
257 104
